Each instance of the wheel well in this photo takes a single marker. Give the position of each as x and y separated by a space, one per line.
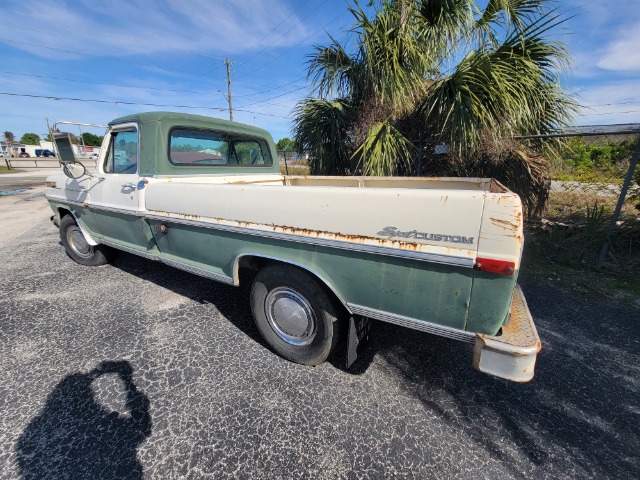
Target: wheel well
257 262
63 212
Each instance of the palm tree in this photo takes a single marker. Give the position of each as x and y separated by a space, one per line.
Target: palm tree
444 81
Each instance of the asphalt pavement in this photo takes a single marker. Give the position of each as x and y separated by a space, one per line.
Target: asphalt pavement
138 370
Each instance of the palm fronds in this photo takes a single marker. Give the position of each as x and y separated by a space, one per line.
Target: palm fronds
321 129
383 150
441 71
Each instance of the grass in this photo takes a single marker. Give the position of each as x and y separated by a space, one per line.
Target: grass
4 169
295 170
564 247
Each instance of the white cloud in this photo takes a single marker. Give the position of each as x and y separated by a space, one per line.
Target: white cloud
609 103
127 27
623 54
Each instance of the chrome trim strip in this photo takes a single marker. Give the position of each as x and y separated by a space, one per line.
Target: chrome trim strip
155 257
413 323
172 263
117 246
138 213
391 252
64 201
198 271
386 251
123 211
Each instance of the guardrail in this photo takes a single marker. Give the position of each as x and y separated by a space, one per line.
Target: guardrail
41 162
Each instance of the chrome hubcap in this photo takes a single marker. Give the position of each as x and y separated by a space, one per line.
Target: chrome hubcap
78 243
290 316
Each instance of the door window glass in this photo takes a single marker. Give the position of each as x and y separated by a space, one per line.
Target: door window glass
122 156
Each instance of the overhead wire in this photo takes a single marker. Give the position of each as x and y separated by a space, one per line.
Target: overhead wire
292 27
113 84
99 56
119 102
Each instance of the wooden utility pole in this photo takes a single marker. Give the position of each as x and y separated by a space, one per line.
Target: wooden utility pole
228 64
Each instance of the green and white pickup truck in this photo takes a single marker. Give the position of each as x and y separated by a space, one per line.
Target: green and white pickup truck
439 255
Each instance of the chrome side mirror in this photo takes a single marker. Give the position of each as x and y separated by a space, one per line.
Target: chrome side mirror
74 170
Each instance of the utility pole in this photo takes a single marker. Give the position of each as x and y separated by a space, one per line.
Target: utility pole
228 64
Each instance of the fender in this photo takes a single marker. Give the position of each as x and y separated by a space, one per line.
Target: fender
236 274
87 237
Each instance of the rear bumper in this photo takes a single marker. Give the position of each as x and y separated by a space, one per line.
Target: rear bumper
512 354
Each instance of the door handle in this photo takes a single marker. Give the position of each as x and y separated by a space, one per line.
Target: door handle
129 186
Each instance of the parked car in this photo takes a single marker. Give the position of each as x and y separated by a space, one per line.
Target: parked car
45 153
24 155
438 255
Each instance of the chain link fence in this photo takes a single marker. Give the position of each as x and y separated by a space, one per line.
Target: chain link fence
293 163
597 181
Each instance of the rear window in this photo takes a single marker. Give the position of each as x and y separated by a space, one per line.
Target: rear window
192 147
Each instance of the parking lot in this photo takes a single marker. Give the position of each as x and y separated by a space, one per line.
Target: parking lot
138 370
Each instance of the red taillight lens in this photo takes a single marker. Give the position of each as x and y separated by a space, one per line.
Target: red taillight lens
491 265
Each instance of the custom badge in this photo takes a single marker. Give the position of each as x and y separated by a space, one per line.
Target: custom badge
393 232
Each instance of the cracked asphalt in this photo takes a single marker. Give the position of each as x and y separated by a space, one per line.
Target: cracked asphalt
138 370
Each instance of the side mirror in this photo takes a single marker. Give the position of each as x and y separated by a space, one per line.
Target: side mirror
64 147
74 170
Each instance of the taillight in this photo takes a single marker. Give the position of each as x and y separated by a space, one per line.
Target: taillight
491 265
50 184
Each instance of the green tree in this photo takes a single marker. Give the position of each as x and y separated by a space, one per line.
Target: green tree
419 74
9 137
286 144
91 140
30 139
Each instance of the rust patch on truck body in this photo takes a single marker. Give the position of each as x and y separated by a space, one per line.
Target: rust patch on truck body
320 234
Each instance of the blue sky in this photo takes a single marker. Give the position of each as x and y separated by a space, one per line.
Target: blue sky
172 52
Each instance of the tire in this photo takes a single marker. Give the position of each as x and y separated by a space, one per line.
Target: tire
77 247
280 290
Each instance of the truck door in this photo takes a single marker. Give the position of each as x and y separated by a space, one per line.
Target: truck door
116 200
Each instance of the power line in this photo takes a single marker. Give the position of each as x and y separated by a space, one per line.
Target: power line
142 64
100 56
118 102
292 27
271 31
612 104
271 89
128 39
152 88
304 40
110 84
273 98
608 113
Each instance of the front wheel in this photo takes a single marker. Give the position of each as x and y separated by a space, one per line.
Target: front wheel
77 246
294 314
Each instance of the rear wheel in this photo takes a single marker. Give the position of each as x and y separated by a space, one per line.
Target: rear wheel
77 246
294 314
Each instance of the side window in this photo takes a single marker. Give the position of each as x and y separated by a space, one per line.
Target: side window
189 147
248 152
122 156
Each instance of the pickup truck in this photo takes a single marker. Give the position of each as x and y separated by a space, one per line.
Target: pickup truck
438 255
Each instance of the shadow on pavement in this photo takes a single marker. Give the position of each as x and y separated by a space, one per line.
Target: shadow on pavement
77 437
232 302
579 415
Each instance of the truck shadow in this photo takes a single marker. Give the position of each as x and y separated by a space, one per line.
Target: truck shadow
578 417
76 436
232 302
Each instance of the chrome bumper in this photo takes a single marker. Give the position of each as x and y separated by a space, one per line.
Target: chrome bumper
512 354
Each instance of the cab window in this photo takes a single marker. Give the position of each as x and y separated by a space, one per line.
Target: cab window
122 156
191 147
